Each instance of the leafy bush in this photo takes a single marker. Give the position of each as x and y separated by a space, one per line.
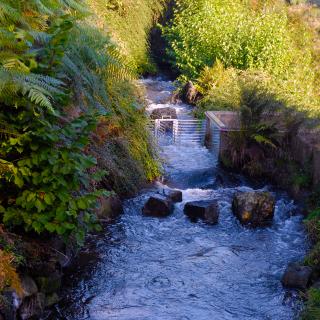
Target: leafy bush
43 186
233 33
58 80
228 44
220 88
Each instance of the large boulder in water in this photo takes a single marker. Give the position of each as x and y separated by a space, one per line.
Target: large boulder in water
254 208
297 276
158 206
164 113
205 210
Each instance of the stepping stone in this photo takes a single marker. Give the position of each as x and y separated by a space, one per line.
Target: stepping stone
204 210
158 206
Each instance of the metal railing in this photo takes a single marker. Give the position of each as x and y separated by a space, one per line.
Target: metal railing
178 131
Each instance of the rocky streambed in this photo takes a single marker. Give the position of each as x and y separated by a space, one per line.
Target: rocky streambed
200 260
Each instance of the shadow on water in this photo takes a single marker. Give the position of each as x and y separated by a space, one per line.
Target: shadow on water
144 268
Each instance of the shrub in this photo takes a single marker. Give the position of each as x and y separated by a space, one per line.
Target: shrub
45 181
58 79
233 33
220 88
233 43
312 310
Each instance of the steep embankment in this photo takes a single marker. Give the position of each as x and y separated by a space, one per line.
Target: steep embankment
72 130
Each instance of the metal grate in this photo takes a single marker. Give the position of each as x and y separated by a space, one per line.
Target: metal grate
178 131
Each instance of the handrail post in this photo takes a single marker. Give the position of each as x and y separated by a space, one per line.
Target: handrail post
175 130
156 128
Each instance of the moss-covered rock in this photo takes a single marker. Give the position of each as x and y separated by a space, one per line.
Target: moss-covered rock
254 208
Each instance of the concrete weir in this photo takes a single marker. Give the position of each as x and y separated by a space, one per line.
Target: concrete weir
304 144
219 124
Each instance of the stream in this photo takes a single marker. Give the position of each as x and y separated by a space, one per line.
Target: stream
144 268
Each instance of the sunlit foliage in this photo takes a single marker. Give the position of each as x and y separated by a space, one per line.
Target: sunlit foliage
230 40
58 79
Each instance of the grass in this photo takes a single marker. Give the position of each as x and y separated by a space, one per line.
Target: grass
129 22
312 310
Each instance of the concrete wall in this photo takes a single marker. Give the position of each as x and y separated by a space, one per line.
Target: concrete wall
304 144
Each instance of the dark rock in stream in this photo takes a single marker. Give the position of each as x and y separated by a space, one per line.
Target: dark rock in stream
297 276
8 305
110 208
174 195
52 299
205 210
255 208
158 206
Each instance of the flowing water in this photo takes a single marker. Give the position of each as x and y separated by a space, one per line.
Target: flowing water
145 268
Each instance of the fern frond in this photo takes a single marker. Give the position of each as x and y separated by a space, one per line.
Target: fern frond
74 5
38 88
39 98
8 14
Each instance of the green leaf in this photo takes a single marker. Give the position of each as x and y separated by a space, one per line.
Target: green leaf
31 196
51 227
18 181
48 198
82 204
40 205
37 226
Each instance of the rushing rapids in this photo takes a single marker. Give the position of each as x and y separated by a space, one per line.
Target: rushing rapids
145 268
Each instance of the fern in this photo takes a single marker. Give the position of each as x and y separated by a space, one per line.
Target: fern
38 88
8 14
